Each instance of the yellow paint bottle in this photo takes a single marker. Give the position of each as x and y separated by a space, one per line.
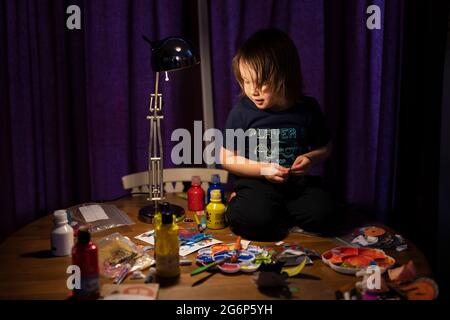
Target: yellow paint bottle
157 220
215 211
167 248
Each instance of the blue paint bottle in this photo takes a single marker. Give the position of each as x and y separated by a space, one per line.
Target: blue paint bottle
215 185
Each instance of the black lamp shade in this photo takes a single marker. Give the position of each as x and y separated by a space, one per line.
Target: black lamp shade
173 53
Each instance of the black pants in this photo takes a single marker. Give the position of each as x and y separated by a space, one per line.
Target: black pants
264 211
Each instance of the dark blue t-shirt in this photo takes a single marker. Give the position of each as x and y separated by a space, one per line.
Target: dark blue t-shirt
281 136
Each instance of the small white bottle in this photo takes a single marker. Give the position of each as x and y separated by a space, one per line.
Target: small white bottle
62 235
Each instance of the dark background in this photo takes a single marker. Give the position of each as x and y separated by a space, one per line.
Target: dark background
74 102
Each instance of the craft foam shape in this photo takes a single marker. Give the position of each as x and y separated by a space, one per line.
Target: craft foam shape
292 272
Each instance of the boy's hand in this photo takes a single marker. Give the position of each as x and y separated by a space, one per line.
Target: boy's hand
301 166
276 173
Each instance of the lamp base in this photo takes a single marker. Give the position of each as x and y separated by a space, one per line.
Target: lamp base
146 214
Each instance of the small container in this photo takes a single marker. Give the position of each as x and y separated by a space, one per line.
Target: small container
215 212
85 256
62 235
167 248
230 267
196 195
249 267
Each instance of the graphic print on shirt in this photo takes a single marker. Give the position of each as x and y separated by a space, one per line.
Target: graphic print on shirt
274 145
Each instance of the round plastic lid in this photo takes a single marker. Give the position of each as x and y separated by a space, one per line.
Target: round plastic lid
165 207
166 218
215 178
60 216
196 181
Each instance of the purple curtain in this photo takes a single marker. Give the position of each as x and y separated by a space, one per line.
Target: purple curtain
363 69
74 102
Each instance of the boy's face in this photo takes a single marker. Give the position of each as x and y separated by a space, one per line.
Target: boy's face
264 97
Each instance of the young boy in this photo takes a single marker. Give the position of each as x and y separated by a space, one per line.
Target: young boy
274 190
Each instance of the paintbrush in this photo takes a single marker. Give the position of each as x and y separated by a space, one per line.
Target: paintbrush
200 281
204 268
237 248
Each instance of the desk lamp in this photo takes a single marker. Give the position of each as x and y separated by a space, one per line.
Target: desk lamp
169 54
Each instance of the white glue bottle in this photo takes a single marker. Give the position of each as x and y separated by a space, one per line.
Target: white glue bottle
62 235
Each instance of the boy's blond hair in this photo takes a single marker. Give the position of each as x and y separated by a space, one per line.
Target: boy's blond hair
272 55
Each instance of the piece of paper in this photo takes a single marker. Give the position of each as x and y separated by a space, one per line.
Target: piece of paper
93 213
244 244
360 240
293 252
148 237
130 291
185 249
372 240
402 247
190 248
404 273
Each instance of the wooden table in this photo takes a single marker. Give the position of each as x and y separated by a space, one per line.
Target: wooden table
28 271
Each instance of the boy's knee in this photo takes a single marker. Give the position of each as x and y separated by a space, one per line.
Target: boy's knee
321 220
255 222
256 215
273 232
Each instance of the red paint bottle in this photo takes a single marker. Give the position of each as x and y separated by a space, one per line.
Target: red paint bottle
196 195
85 256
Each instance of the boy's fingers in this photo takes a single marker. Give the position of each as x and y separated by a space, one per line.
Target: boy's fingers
277 179
282 174
297 167
280 177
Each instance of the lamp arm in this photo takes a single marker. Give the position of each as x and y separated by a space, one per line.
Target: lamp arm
161 151
155 148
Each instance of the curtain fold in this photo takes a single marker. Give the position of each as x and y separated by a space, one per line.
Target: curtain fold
362 76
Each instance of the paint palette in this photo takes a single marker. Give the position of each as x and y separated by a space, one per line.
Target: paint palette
245 261
349 260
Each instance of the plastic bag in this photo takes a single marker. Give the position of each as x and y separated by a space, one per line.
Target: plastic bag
97 216
116 252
